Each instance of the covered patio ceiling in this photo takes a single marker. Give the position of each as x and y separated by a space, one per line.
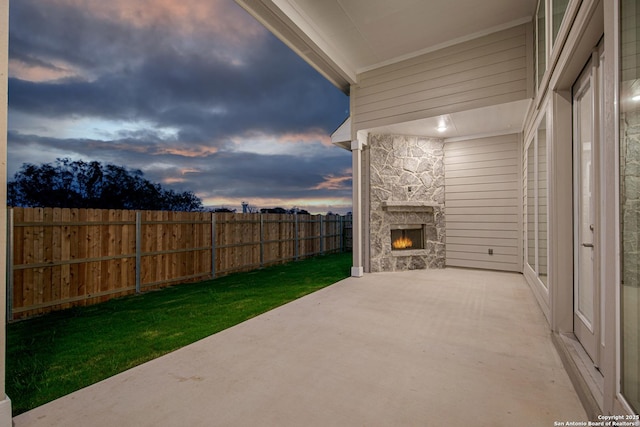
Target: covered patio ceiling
344 38
496 119
499 119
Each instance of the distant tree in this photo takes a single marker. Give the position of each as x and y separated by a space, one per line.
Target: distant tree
79 184
274 210
281 211
224 210
181 202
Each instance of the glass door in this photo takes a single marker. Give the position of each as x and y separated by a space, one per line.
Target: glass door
585 143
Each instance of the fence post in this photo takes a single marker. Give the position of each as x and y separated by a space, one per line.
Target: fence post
341 225
138 249
10 264
261 240
321 237
213 245
296 250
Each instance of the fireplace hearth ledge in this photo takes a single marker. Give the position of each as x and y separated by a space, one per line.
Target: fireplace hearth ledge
409 252
410 206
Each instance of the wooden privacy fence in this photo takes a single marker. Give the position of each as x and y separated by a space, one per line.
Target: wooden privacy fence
59 258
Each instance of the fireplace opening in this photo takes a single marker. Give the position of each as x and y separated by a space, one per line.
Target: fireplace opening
407 237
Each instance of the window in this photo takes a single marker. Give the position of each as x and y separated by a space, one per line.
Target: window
559 8
547 27
536 173
541 155
541 40
531 205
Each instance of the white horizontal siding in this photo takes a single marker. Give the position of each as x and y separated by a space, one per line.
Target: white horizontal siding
507 244
486 71
449 83
491 195
493 144
478 47
486 226
483 179
500 164
482 203
472 189
485 210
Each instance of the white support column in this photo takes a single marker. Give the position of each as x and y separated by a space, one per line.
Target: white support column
357 270
5 403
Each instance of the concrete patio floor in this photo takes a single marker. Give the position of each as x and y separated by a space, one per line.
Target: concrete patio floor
419 348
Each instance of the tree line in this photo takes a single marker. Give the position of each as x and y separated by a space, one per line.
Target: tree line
93 185
68 183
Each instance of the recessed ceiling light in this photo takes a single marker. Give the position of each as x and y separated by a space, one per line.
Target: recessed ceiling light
444 123
636 98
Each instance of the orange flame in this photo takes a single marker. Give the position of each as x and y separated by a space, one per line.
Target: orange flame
402 243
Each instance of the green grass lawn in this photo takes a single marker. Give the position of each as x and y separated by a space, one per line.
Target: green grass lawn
56 354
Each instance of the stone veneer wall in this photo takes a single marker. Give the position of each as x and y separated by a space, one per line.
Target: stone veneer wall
630 197
406 168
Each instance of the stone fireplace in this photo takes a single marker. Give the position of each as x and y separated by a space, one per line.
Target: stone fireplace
406 203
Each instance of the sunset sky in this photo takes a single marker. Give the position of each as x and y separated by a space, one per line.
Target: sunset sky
195 93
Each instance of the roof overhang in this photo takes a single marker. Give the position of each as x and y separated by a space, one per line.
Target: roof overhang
343 38
280 23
